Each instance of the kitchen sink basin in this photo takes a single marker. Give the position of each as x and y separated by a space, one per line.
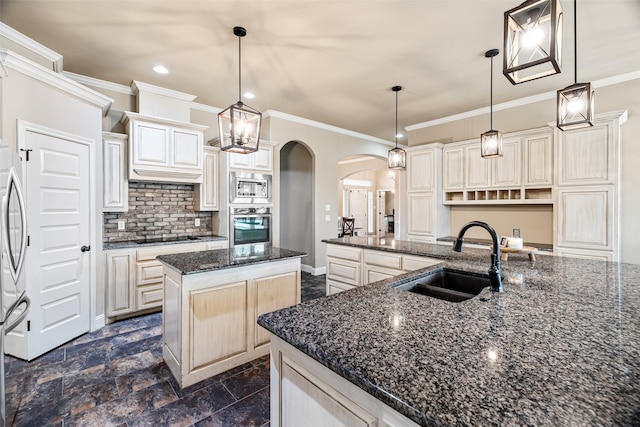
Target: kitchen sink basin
449 285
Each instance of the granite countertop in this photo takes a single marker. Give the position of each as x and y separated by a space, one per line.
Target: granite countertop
487 242
127 244
560 346
218 259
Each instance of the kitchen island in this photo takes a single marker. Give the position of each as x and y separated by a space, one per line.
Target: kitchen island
212 300
560 347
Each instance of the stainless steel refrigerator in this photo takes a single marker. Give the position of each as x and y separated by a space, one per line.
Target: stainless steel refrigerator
14 303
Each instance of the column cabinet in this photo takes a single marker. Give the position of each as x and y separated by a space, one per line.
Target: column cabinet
114 172
207 195
261 160
427 218
587 172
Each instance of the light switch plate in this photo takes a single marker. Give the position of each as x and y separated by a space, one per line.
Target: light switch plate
197 222
327 208
121 224
327 218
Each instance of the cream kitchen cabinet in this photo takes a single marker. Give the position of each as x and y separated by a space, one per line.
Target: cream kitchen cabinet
538 158
587 196
207 194
114 172
261 160
134 276
453 168
344 268
163 150
379 265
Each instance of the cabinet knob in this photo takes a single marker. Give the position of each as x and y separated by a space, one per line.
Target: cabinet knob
85 248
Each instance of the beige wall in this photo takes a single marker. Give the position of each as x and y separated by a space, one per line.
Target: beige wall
610 98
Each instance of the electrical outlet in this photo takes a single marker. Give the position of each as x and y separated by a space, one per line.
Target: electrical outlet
197 222
516 232
121 224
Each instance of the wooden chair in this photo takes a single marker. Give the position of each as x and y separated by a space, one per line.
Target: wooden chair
348 225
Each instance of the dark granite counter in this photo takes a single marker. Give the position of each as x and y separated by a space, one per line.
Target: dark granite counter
487 242
218 259
560 347
128 244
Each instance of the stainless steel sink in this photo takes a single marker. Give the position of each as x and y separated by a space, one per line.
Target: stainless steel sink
449 285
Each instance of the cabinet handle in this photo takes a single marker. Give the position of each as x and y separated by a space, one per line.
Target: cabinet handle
85 248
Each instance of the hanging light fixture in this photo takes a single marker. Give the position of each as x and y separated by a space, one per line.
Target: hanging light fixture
239 124
491 140
397 156
532 40
575 102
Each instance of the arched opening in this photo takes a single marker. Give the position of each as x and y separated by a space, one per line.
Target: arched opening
297 220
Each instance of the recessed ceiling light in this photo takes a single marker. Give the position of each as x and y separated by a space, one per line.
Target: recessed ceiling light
399 135
249 95
161 69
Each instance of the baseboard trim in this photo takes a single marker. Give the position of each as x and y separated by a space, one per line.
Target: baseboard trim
313 271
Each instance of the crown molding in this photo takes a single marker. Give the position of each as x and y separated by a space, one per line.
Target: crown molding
137 86
313 123
205 108
102 84
609 81
11 60
32 45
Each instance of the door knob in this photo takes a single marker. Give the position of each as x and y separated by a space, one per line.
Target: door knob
85 249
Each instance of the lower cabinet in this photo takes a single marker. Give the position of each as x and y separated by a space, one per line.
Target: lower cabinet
134 277
305 393
210 318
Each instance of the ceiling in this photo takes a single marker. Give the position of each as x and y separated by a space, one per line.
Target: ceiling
329 61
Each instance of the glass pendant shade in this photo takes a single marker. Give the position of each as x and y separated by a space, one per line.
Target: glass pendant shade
239 127
575 106
397 158
491 144
532 40
239 124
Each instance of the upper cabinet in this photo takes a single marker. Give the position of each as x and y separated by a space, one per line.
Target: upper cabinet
207 194
421 173
163 150
523 175
261 160
114 172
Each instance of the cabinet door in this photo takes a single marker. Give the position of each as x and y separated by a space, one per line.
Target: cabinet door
263 159
421 171
217 324
120 282
334 287
585 218
186 149
453 168
240 161
586 156
421 217
114 173
274 293
344 271
477 168
207 193
538 161
149 144
508 168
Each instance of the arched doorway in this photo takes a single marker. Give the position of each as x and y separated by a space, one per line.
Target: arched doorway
297 222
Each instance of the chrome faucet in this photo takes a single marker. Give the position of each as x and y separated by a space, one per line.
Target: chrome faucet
494 271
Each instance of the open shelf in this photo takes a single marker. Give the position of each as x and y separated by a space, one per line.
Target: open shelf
504 196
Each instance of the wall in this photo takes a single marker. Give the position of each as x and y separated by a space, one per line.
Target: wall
608 98
296 200
157 210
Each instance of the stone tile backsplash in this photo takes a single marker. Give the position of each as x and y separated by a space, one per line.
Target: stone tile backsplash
157 210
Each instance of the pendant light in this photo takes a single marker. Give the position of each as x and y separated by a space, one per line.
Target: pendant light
239 124
491 140
397 156
532 40
575 102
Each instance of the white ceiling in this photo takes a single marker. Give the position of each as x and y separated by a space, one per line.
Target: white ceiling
333 61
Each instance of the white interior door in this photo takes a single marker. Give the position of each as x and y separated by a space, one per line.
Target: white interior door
382 217
358 209
58 218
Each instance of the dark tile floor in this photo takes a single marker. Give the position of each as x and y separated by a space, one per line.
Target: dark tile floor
116 377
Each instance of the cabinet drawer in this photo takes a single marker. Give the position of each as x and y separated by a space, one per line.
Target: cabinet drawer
218 244
149 296
373 274
343 271
410 263
344 252
382 259
149 272
334 287
149 254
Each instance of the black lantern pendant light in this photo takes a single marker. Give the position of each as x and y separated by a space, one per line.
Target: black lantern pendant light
575 102
532 40
397 156
491 141
239 124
